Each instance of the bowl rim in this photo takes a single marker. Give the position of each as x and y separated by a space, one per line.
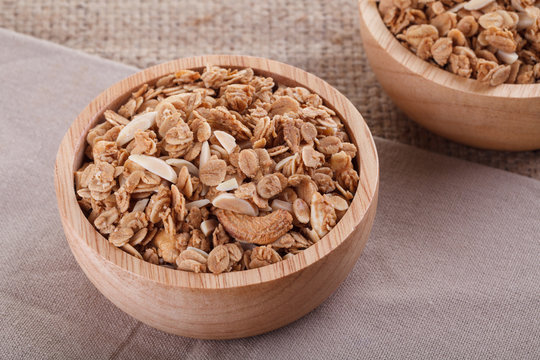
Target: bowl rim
370 16
82 232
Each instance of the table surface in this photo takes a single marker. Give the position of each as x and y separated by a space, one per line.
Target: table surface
320 36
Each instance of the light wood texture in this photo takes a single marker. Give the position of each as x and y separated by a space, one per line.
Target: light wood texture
228 305
506 117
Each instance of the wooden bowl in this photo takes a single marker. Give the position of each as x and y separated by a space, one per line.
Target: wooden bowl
229 305
506 117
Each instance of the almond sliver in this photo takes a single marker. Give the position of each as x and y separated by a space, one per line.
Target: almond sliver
280 204
508 58
456 8
202 252
156 166
178 163
477 4
139 122
208 226
525 21
197 203
283 162
141 205
228 185
205 154
226 140
230 202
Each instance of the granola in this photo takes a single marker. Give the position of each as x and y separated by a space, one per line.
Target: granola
222 170
495 42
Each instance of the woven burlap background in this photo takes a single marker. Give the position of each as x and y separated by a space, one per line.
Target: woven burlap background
319 36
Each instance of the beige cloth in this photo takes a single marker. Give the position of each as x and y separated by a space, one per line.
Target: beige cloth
319 36
451 269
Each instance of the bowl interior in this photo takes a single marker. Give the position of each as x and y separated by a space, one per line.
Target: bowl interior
370 16
71 155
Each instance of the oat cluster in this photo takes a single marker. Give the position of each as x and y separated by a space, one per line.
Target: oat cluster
216 172
492 41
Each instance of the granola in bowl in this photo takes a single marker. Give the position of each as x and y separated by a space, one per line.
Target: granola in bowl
493 41
217 171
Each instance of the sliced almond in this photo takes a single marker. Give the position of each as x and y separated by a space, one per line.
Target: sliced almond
525 20
197 203
456 8
131 250
288 256
204 190
208 226
205 154
156 166
516 4
141 205
226 140
202 252
283 205
178 163
259 230
508 58
284 162
228 185
477 4
139 122
230 202
218 151
338 202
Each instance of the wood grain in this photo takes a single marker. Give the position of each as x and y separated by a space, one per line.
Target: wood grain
506 117
229 305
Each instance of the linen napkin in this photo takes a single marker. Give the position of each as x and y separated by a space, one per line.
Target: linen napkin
451 270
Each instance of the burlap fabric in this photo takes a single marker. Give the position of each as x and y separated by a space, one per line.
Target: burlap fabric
451 270
319 36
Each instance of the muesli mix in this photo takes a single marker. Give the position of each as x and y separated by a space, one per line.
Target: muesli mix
216 172
492 41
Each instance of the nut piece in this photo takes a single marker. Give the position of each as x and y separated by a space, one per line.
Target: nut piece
228 185
477 4
260 230
226 140
230 202
179 163
156 166
218 260
213 172
280 204
140 122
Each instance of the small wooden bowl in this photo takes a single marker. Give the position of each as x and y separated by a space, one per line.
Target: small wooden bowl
229 305
506 117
